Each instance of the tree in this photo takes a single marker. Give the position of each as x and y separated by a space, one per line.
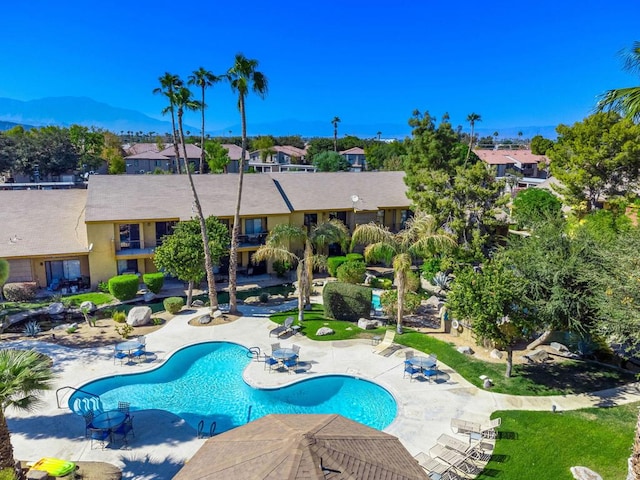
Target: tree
625 101
89 144
540 145
242 76
7 152
381 155
534 205
217 156
4 273
113 154
202 78
597 157
277 248
181 254
494 302
472 118
418 239
335 122
25 374
168 84
265 145
182 100
331 162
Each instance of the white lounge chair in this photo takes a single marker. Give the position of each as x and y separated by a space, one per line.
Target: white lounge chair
285 327
386 342
435 469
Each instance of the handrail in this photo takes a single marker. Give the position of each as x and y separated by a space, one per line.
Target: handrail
75 390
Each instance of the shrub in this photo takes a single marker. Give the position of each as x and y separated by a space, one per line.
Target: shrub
384 283
413 282
173 304
103 287
352 272
442 280
71 329
343 301
157 321
389 302
124 330
333 263
153 281
430 267
124 287
19 291
32 328
355 257
119 317
264 297
281 268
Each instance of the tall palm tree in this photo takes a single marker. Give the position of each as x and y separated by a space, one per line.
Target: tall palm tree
278 248
472 118
243 76
168 84
335 122
202 78
25 374
419 238
183 101
625 101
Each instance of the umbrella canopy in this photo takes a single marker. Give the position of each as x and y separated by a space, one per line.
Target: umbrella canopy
309 447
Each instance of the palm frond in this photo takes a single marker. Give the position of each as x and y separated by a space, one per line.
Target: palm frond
273 253
283 234
326 233
369 233
379 252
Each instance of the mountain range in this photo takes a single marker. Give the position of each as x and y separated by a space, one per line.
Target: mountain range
67 111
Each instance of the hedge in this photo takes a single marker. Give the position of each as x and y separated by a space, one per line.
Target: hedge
124 287
333 263
173 304
355 257
352 271
153 281
19 291
343 301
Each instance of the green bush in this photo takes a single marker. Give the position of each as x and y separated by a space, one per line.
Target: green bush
153 281
413 282
355 257
333 263
19 291
384 283
281 268
352 272
119 317
124 287
343 301
389 302
173 304
7 474
430 267
264 297
103 287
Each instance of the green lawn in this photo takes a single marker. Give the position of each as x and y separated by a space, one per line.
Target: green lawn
544 445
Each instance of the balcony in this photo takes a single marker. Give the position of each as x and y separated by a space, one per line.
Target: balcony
125 253
252 240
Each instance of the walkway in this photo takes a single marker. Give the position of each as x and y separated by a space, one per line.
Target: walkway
163 442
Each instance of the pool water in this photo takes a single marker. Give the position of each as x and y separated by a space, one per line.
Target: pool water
204 382
375 302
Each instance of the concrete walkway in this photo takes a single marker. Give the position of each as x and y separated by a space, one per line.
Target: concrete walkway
163 442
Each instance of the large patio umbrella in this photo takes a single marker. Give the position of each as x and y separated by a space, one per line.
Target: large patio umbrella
303 447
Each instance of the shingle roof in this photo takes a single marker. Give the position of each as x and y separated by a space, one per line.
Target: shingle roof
303 447
507 157
193 151
42 222
333 190
136 148
353 151
147 197
149 155
235 152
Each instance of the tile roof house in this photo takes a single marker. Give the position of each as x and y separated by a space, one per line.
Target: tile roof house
356 158
282 158
303 447
531 167
235 152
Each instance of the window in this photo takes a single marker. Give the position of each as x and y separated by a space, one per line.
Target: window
129 236
342 216
63 270
162 229
253 226
310 219
127 266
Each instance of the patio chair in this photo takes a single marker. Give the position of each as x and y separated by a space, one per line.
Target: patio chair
88 422
142 340
270 362
463 447
139 353
285 327
275 346
124 407
408 355
296 349
291 364
430 372
466 427
457 460
411 371
385 343
118 355
435 469
123 430
99 435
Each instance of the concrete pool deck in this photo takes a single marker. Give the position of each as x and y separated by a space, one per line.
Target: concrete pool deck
163 441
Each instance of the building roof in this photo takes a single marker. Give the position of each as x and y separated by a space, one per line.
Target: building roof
193 151
136 148
303 447
353 151
290 150
149 155
43 222
334 190
235 152
147 197
509 157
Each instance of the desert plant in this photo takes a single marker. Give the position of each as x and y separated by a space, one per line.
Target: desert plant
352 271
333 263
384 283
124 330
157 321
281 267
124 287
72 329
153 281
264 297
119 317
441 280
430 267
32 328
173 304
354 257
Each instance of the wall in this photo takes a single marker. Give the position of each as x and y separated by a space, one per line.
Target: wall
102 259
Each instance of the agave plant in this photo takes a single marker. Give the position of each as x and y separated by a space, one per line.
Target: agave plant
442 280
32 328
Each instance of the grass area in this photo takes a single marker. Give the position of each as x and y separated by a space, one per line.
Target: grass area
539 379
7 474
98 298
315 319
534 445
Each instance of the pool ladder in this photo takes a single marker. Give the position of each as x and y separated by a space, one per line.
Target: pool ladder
212 429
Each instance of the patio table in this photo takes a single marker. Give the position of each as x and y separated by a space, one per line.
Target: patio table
284 354
422 362
128 346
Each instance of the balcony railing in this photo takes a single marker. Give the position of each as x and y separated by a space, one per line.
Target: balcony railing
135 252
252 240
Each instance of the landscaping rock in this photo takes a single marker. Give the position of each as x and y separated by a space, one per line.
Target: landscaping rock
367 324
139 316
322 331
56 309
496 354
537 356
149 296
87 306
466 350
487 383
560 348
204 319
252 300
584 473
197 303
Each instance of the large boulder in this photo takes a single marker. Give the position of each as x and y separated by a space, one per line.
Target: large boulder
367 324
56 309
584 473
88 307
495 353
322 331
139 316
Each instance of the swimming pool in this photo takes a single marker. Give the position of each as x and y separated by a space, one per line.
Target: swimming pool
204 382
375 301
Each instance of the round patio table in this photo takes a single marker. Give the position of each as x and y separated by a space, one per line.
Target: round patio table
284 353
128 346
109 420
422 362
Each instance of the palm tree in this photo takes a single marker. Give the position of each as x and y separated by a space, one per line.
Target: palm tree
183 101
168 84
25 374
4 274
202 78
242 76
335 122
418 238
625 101
277 248
472 118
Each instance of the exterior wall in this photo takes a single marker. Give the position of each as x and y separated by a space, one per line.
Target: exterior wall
102 259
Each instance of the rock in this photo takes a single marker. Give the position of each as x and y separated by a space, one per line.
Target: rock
197 303
496 354
560 348
149 296
139 316
584 473
56 309
466 350
88 307
367 324
537 356
204 319
252 300
487 383
322 331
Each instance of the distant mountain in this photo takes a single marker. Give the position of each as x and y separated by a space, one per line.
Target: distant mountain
9 125
66 111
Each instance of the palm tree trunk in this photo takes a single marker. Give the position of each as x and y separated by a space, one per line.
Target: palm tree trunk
175 140
301 271
335 138
208 263
308 262
470 145
635 455
233 252
202 136
189 293
6 449
400 285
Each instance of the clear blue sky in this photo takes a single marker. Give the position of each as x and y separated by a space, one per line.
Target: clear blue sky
367 61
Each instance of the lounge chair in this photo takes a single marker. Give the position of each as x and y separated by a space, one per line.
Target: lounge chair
489 430
474 452
385 343
285 327
457 460
476 430
435 469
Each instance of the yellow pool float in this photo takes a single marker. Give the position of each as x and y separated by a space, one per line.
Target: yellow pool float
54 466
